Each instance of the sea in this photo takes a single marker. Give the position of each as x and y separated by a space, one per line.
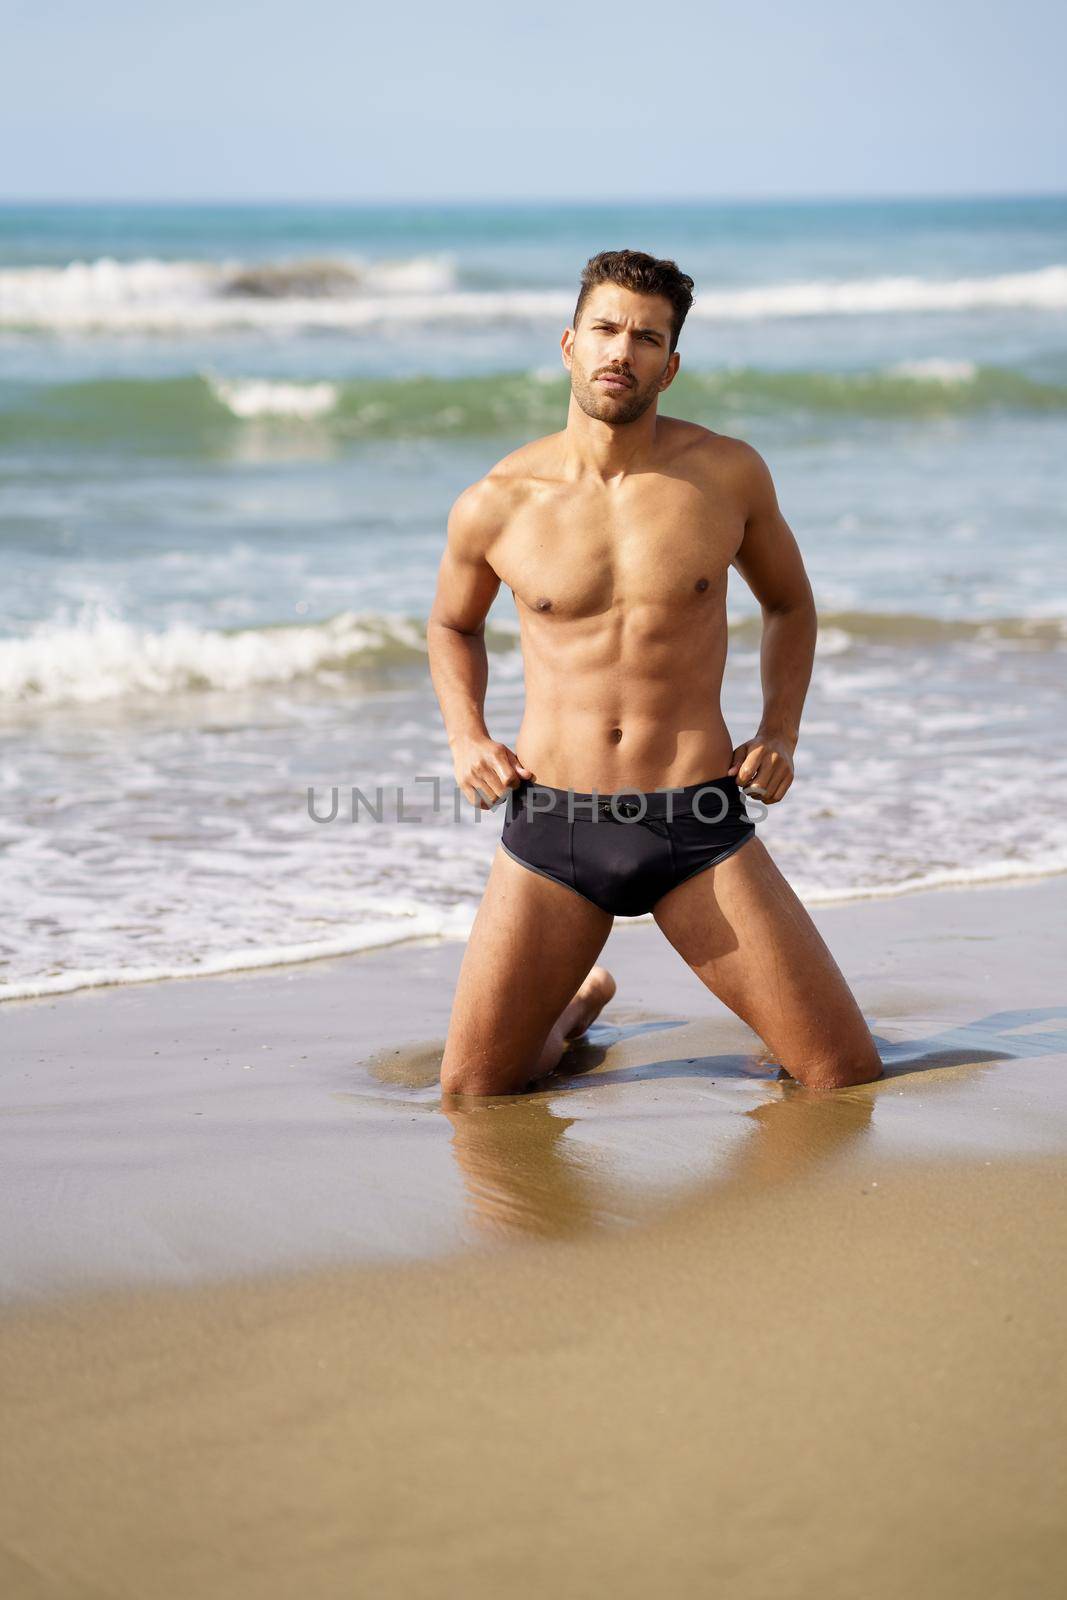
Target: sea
230 436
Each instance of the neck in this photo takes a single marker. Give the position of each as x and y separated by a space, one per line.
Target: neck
606 449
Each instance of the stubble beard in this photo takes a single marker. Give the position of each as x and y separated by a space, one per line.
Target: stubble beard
608 406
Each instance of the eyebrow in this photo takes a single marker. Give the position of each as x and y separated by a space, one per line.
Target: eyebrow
613 324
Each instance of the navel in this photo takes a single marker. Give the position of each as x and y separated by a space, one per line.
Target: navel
616 734
702 584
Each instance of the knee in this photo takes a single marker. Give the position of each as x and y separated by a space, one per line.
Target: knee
468 1075
844 1071
465 1080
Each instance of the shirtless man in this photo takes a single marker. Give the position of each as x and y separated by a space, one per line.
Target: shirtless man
615 537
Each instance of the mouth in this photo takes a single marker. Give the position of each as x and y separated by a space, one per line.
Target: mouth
614 380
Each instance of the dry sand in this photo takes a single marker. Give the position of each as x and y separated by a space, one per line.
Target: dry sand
276 1326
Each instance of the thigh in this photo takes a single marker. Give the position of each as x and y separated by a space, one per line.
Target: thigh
532 944
750 940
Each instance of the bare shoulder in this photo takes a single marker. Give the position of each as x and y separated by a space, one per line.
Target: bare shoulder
724 461
482 511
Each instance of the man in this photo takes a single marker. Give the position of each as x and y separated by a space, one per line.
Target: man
615 537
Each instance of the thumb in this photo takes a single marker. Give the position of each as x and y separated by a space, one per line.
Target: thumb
736 759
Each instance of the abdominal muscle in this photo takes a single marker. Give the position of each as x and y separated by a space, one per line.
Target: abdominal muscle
585 750
628 698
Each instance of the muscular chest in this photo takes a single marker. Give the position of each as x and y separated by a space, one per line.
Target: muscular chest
577 556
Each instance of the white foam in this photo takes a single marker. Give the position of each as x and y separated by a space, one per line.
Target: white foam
936 369
150 295
1044 289
452 923
103 657
175 297
264 397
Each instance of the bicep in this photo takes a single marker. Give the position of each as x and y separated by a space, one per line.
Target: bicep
466 583
768 557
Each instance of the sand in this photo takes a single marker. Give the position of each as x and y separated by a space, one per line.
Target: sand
273 1325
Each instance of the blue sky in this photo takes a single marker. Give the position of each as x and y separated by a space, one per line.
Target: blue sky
495 100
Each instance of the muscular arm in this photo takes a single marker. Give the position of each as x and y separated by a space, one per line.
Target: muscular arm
455 633
770 562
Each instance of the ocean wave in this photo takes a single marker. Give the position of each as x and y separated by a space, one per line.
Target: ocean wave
840 631
196 297
150 295
397 923
373 933
194 412
263 397
1044 289
935 369
103 658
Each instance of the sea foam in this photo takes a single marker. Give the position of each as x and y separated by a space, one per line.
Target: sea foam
264 397
176 297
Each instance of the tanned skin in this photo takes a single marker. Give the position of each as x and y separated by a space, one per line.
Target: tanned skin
615 537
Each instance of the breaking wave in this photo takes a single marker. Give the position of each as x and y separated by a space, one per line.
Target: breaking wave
105 658
195 412
175 298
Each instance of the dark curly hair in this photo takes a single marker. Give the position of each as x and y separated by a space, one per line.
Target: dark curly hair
644 274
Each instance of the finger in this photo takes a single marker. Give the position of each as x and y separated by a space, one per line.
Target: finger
501 771
749 769
779 783
513 757
782 785
771 766
762 786
491 777
483 780
736 759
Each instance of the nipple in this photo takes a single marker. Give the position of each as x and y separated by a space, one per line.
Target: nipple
702 584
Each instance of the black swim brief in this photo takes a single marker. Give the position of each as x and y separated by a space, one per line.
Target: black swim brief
626 850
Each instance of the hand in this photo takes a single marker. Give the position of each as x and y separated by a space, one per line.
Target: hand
486 770
763 766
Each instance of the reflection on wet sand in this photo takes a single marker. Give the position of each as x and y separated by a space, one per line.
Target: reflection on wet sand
523 1178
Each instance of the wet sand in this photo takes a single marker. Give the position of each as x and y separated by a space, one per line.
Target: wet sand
275 1325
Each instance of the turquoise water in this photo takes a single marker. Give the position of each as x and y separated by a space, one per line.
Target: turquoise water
229 439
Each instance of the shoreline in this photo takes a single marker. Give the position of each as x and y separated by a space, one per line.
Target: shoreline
299 955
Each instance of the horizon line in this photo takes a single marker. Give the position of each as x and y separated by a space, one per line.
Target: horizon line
814 198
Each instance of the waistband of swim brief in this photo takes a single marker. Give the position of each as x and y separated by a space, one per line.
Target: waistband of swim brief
655 799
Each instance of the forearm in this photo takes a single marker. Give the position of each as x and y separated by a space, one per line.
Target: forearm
787 654
459 670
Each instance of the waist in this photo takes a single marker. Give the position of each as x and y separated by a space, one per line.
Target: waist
712 799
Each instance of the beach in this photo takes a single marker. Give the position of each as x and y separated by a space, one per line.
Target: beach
275 1319
275 1322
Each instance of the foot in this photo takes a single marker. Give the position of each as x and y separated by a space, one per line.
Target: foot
588 1003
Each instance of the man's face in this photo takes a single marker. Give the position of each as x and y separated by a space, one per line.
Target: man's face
622 336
